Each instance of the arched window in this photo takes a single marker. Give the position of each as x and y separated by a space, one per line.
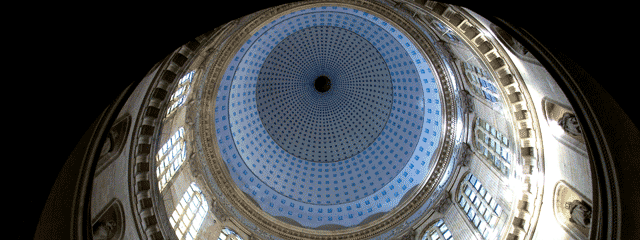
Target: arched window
481 83
493 145
482 210
178 97
438 231
189 214
446 31
170 158
228 234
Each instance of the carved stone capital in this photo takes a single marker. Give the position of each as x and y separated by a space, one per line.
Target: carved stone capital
218 211
444 203
410 235
189 116
467 101
464 158
195 166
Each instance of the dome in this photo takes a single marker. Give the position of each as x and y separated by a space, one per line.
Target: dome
350 119
308 155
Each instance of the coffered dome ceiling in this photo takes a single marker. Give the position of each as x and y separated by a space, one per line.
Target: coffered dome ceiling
327 116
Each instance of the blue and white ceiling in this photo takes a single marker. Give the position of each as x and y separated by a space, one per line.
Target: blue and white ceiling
334 157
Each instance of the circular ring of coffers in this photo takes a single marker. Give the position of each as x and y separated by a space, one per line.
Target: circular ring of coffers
338 192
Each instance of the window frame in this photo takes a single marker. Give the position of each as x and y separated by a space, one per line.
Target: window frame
170 158
483 86
194 206
480 207
231 232
437 229
491 147
179 96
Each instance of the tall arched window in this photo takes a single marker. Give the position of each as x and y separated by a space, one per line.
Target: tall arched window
446 31
170 158
178 97
482 210
493 145
189 214
438 231
481 83
228 234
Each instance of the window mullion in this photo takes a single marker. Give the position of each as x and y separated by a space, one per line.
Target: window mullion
492 150
475 208
440 233
194 213
184 214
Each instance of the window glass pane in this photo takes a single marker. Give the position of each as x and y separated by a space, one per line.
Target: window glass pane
182 227
487 197
477 184
493 220
483 192
443 228
492 203
482 209
190 212
477 202
197 221
487 215
482 227
472 196
189 220
476 221
435 236
471 214
179 208
447 235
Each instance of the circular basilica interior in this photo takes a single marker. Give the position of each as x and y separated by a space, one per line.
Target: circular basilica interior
351 119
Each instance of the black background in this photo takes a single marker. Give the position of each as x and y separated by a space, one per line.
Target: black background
84 56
